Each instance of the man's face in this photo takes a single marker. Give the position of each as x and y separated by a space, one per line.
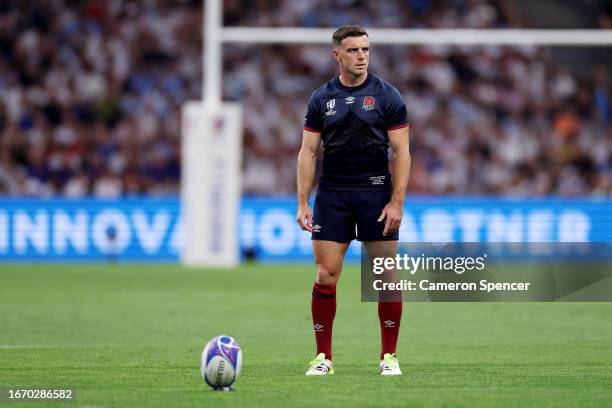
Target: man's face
353 54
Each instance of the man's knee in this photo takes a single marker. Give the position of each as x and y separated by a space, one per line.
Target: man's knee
327 275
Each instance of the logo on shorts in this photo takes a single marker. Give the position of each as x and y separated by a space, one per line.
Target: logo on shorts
368 103
389 323
318 327
316 228
330 107
349 99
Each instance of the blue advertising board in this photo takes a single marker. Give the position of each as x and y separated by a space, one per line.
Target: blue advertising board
148 229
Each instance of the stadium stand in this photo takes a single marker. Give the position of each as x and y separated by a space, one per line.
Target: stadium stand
90 98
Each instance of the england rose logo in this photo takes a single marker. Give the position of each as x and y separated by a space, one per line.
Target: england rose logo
368 103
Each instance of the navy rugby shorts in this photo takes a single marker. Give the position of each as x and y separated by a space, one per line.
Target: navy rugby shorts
342 216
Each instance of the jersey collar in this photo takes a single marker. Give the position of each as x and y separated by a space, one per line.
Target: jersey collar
351 89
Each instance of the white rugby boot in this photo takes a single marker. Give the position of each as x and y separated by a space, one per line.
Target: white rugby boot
320 366
389 365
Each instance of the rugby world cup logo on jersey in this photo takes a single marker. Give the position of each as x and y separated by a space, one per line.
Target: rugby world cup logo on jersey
368 103
330 107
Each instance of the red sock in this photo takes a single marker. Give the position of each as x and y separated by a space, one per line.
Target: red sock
323 313
390 316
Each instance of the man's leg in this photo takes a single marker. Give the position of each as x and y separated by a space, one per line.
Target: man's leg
329 256
390 302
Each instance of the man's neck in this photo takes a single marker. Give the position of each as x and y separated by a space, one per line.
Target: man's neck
352 81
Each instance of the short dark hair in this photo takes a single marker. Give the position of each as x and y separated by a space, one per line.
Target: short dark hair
350 30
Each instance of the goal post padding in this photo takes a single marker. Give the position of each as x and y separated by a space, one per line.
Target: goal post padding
211 155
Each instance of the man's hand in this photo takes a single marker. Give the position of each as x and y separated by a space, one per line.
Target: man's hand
304 217
392 214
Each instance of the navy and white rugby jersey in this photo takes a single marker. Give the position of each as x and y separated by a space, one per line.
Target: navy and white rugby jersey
353 122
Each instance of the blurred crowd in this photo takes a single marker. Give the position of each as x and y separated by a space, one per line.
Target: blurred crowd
90 98
388 13
90 95
484 120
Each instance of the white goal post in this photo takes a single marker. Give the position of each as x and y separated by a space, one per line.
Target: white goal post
213 211
249 35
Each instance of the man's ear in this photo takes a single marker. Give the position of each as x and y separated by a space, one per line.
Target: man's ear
336 54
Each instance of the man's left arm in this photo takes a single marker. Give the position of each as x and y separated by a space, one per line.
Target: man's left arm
392 213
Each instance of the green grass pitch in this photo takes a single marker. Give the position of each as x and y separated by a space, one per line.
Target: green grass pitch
131 336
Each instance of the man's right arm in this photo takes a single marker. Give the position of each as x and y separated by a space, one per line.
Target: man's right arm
306 168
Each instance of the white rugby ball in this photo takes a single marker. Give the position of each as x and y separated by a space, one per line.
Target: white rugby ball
221 362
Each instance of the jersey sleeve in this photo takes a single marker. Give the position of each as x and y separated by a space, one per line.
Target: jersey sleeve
396 116
312 121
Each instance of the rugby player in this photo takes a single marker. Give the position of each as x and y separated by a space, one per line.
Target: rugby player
357 116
